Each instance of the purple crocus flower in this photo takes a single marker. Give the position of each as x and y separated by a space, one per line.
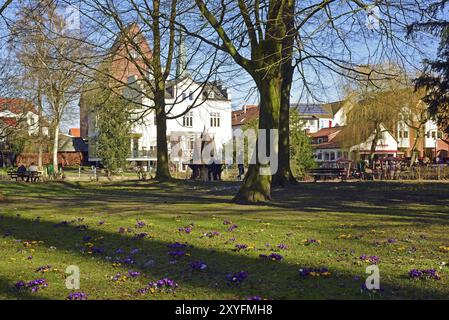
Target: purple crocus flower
233 227
77 296
177 245
241 247
237 278
198 265
20 284
373 260
134 274
177 254
140 224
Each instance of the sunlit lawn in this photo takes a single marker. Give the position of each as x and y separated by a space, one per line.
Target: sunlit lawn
60 224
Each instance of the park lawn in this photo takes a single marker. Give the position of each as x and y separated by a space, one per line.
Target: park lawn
404 224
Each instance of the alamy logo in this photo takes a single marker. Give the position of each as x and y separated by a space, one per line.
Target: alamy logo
72 282
373 281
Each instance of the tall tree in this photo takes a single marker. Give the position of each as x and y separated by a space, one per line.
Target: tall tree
269 49
40 41
160 21
435 78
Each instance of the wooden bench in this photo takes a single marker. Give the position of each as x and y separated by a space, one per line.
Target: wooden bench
13 175
28 176
335 173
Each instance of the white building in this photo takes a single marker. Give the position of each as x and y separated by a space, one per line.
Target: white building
211 117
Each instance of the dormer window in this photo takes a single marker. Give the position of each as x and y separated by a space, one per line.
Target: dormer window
187 120
134 55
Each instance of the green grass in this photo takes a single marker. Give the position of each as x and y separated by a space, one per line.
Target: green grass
415 215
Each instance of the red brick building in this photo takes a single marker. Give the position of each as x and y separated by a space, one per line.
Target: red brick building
124 62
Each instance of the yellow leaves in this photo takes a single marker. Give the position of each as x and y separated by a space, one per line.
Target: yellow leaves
345 236
444 249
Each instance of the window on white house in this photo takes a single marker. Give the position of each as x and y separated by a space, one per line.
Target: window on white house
332 156
434 135
215 119
320 156
187 120
326 156
134 55
400 135
405 134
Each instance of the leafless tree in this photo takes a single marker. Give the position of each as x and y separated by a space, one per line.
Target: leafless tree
331 37
129 28
39 46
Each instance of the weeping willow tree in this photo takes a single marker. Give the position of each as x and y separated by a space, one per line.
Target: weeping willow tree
372 108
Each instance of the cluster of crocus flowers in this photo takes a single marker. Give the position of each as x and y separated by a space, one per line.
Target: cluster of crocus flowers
134 274
139 236
177 245
237 278
33 285
162 284
240 247
233 227
314 272
77 296
212 234
140 224
119 278
370 259
188 229
177 254
424 274
272 257
43 269
310 242
282 246
198 265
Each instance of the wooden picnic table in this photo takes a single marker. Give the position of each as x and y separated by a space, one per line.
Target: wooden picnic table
324 173
29 176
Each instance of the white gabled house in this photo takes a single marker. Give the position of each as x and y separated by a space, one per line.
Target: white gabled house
328 146
212 117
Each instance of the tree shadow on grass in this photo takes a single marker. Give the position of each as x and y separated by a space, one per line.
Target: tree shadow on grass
419 203
10 293
273 280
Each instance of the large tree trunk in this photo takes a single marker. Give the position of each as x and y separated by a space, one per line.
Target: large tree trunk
55 149
284 174
162 170
257 187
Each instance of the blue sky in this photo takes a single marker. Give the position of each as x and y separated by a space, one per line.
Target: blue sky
326 84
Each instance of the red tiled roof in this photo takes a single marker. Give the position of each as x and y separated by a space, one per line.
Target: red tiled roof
332 135
16 105
326 132
245 115
75 132
10 122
